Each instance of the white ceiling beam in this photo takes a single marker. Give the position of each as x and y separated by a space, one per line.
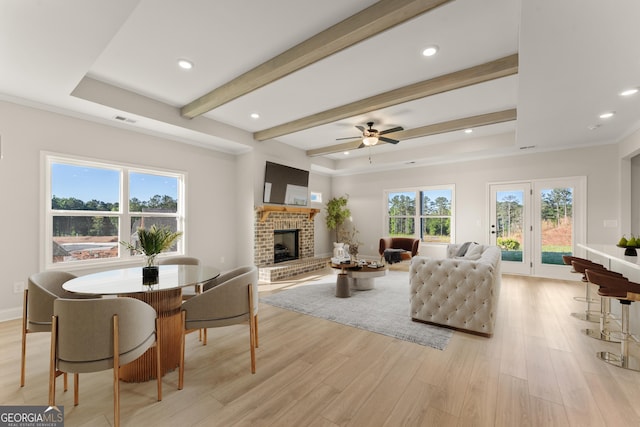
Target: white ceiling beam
432 129
364 24
478 74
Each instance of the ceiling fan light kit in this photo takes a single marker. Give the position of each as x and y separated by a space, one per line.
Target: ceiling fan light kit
370 140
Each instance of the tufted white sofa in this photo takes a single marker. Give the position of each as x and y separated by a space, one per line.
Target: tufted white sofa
457 292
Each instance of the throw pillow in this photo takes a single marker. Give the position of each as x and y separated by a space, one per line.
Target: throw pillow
474 252
463 249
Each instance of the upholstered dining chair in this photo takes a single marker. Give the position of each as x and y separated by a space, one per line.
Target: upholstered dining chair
37 308
93 335
229 299
184 260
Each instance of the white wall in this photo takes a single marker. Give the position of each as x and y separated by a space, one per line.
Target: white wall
471 179
211 192
321 184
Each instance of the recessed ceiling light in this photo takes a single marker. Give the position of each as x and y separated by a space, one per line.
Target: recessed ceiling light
629 92
468 130
185 64
607 115
430 51
255 115
346 153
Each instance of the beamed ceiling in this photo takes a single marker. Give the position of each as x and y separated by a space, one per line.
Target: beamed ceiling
528 73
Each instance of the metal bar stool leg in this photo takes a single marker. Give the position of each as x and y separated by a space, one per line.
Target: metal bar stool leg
603 334
589 315
623 360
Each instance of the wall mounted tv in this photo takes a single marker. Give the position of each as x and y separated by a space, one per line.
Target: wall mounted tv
284 185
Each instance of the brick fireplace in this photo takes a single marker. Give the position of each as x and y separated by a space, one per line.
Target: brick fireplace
274 220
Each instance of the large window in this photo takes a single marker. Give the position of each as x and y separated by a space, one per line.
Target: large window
426 213
86 215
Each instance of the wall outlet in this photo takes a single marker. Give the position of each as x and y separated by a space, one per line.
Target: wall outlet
18 287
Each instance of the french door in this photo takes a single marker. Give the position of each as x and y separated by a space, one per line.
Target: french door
510 225
535 223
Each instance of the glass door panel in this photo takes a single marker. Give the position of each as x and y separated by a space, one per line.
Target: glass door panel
510 225
556 224
559 213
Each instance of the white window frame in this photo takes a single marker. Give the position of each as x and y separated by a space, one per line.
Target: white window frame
124 256
417 217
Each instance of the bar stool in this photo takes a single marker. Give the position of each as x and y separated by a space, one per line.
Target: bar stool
579 266
618 287
601 278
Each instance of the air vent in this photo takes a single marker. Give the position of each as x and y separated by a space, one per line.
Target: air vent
527 147
124 119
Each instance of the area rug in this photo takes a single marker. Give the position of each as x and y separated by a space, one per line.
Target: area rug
384 309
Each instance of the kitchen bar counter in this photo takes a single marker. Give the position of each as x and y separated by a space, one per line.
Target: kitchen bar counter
613 254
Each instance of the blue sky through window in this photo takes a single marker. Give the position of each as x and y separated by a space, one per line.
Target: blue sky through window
501 196
93 183
85 183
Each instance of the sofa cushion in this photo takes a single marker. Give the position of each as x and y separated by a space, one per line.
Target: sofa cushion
463 249
474 252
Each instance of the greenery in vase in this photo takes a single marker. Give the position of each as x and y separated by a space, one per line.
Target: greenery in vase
349 235
153 241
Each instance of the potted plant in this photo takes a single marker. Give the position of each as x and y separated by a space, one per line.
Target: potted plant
337 214
150 243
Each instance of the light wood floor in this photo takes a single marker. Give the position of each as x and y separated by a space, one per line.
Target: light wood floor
537 370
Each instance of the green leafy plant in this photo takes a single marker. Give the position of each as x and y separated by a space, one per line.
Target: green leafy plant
337 213
153 241
508 243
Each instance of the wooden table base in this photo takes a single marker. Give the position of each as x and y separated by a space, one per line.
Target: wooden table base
167 305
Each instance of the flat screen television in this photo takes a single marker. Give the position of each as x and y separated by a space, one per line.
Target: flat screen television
284 185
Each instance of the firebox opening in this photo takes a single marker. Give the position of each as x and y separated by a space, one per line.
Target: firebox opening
285 245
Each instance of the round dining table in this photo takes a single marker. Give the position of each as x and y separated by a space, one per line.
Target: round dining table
165 296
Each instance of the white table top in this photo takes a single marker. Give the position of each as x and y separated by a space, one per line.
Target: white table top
613 252
129 280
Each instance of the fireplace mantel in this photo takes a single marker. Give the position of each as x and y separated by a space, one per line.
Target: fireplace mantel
267 209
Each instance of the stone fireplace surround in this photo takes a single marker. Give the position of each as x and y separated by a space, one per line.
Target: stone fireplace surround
269 218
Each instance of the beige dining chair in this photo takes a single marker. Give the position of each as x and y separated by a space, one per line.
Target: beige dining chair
93 335
187 292
37 308
229 299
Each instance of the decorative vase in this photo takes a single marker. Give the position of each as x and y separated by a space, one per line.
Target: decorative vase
338 250
150 275
150 271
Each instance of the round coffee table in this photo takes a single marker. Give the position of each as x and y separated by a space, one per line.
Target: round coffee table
360 277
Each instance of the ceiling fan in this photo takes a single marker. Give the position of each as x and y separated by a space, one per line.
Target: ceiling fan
371 136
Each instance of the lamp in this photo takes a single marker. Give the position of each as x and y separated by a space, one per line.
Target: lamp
370 140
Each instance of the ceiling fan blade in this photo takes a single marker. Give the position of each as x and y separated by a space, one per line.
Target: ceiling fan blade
349 137
395 129
389 140
360 128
